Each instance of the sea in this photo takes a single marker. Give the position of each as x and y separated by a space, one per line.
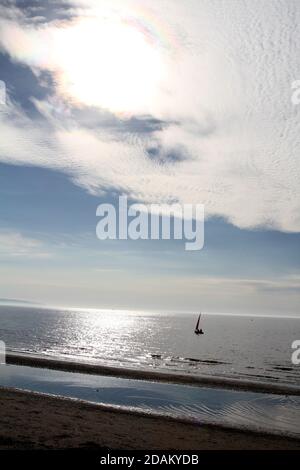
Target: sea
250 347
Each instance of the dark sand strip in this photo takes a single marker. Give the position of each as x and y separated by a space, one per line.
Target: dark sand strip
97 369
34 421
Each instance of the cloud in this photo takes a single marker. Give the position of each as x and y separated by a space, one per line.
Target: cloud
219 129
285 284
16 245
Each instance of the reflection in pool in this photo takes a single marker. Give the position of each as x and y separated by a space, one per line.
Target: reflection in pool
256 411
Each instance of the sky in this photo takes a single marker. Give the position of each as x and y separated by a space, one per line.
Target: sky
163 101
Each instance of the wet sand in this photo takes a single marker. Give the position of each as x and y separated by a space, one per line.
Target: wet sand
98 369
34 421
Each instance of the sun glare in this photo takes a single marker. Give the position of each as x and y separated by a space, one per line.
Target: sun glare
110 64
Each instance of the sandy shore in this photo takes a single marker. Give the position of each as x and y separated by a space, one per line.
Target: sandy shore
33 421
98 369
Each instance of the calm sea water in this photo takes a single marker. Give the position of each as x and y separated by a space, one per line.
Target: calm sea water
249 347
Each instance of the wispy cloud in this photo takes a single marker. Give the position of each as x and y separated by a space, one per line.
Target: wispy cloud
16 245
284 284
226 133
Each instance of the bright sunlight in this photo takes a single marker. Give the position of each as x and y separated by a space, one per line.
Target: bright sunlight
108 63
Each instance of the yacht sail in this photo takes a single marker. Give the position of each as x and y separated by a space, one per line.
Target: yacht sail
197 330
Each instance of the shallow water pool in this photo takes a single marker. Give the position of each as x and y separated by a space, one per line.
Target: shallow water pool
277 414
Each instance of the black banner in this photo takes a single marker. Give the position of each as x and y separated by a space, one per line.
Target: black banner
137 459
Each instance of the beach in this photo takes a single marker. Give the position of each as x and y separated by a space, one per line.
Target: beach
56 393
35 421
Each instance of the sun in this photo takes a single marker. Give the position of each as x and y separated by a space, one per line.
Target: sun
108 63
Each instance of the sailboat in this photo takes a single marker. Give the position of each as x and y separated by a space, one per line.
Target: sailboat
197 330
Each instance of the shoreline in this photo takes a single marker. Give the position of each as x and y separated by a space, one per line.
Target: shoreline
31 420
154 376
